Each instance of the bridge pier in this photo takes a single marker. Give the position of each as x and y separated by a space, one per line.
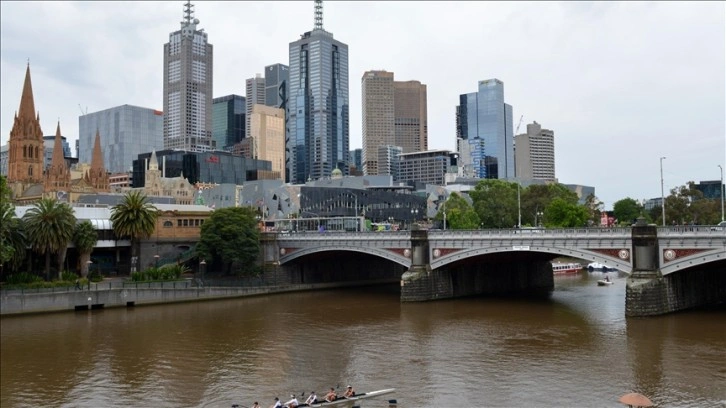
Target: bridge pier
649 293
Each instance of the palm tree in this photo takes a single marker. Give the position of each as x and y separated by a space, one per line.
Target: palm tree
135 217
12 237
49 227
85 239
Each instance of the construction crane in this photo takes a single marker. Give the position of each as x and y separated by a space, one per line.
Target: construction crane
82 112
516 132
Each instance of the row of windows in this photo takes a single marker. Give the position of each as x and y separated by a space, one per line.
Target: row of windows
187 222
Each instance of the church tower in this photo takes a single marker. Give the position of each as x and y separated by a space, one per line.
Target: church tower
97 175
57 176
25 146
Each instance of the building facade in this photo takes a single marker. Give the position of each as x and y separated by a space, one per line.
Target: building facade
228 120
389 160
267 125
318 110
276 79
126 131
188 67
378 117
429 167
484 122
394 114
534 154
254 95
202 167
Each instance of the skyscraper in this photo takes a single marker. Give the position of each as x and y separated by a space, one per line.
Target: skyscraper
318 111
394 114
484 132
126 131
254 95
535 153
228 120
276 79
188 87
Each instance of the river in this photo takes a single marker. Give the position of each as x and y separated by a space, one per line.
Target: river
574 349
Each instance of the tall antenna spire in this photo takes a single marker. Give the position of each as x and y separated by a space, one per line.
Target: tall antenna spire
318 14
188 12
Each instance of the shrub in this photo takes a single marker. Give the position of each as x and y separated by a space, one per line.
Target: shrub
67 276
95 276
22 278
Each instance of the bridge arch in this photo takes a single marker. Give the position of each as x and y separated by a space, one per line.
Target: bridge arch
440 261
379 252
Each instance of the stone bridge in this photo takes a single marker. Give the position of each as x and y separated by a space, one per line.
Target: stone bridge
665 264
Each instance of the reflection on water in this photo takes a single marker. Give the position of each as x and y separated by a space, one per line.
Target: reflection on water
575 348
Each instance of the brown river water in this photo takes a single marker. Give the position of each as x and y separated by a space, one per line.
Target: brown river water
574 349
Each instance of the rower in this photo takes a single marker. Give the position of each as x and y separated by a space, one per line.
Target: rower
349 392
293 403
312 399
331 395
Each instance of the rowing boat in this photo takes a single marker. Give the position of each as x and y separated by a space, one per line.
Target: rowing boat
350 402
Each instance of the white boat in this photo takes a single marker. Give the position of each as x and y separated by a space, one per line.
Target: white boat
561 268
350 402
603 282
597 266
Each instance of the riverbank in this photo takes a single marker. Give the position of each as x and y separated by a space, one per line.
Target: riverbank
113 293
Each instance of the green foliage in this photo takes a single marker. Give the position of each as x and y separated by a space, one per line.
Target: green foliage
459 213
22 278
135 217
230 236
627 210
495 202
85 237
95 276
13 242
49 227
563 213
67 276
163 273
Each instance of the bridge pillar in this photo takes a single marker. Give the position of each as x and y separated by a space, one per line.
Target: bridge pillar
418 282
270 258
645 291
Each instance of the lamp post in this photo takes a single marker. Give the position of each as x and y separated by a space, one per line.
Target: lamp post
414 213
720 187
662 196
538 218
156 261
444 211
88 268
519 207
202 266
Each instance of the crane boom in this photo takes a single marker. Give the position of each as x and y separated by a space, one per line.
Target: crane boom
518 125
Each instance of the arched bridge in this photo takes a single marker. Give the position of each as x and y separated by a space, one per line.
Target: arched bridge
436 264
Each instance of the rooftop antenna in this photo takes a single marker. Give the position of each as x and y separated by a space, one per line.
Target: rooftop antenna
318 14
188 12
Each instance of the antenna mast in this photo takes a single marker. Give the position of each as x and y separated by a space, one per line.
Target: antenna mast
318 14
188 12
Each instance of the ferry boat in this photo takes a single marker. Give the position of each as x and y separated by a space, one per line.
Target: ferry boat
561 268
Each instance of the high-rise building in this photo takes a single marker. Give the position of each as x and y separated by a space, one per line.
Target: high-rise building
318 110
394 114
389 160
255 95
430 167
410 116
276 79
188 88
378 117
228 120
484 122
126 131
356 162
534 153
267 134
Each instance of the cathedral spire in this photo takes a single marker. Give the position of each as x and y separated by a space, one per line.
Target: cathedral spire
57 148
98 177
97 158
153 162
27 104
57 176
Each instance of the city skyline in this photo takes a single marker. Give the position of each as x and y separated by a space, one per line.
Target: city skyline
620 84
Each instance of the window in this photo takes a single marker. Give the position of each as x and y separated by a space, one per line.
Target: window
168 224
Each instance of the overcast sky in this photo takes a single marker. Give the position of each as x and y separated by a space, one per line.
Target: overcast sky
620 84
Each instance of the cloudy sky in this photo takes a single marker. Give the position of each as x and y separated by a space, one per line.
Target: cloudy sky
621 84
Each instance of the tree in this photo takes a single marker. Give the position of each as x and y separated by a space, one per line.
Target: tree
135 217
12 237
561 213
536 197
49 228
85 238
627 210
594 208
230 236
459 213
495 202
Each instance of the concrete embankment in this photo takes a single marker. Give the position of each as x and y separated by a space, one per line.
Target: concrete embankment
16 302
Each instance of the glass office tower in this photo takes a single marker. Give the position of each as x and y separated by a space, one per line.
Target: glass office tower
318 128
228 120
484 122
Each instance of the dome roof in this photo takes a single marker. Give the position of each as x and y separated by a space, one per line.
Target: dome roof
336 173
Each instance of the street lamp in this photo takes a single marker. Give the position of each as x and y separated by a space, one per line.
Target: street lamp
202 266
538 218
88 268
156 261
720 187
519 207
414 214
662 196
